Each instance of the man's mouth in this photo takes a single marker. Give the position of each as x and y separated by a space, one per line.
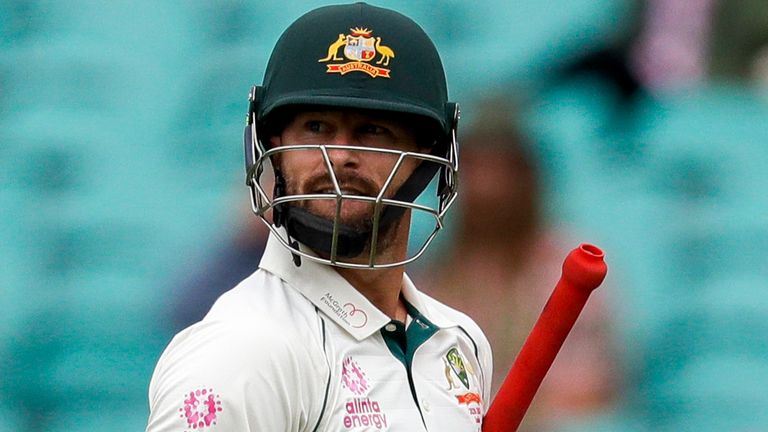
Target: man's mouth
344 191
348 186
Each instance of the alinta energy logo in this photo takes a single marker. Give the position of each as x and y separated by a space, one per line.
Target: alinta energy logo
360 411
353 377
360 48
201 408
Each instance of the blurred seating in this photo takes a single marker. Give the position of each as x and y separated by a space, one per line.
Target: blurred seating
120 143
704 163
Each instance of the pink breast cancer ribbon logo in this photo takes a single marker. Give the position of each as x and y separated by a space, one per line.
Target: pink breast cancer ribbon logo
353 377
359 317
201 408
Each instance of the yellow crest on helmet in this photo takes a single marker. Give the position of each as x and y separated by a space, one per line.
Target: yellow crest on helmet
360 48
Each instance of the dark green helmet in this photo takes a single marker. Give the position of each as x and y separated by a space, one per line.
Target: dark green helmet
362 57
357 56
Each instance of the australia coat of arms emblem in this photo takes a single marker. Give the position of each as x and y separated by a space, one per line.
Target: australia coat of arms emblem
360 48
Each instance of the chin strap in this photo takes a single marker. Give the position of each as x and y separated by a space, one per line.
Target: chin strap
317 232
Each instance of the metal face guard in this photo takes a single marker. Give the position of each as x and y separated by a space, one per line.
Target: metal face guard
335 235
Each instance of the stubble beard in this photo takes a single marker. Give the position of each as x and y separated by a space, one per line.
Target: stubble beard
361 220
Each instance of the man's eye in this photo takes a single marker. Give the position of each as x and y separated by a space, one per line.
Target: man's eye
373 129
315 126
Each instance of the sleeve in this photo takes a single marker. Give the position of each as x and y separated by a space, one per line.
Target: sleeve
239 377
485 358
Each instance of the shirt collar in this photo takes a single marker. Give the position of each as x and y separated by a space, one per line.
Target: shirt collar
332 294
427 308
326 289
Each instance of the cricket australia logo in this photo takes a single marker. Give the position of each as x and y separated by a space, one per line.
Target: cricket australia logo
466 394
455 366
360 48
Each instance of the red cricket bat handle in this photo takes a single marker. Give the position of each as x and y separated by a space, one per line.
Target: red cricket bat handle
583 270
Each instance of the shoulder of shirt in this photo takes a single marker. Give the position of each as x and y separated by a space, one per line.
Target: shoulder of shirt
461 319
483 350
261 335
260 311
263 294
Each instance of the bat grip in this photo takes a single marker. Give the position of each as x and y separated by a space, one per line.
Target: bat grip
584 269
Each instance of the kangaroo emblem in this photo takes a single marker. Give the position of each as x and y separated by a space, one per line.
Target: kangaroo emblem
448 377
333 50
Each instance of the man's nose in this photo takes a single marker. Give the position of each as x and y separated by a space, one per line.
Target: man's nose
342 157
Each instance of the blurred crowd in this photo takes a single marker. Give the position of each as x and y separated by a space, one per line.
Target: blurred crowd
639 126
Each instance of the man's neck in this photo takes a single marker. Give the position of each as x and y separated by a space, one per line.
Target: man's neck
383 286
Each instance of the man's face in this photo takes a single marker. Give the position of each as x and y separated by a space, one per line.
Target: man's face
357 172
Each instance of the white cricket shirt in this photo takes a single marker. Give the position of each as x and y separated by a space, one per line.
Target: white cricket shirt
299 349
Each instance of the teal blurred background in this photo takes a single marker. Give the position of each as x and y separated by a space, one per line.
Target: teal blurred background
121 166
